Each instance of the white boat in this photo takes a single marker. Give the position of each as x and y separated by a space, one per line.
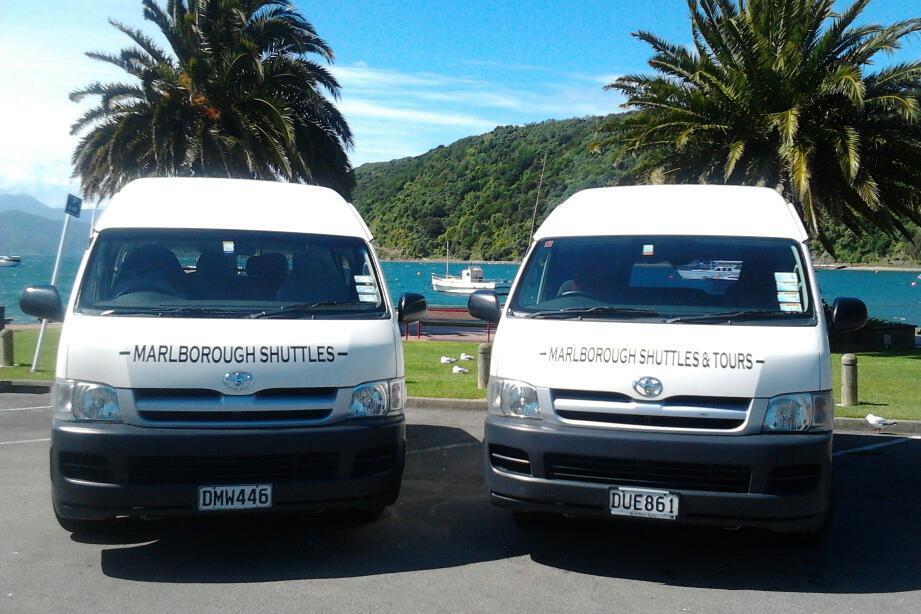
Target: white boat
470 280
10 261
711 269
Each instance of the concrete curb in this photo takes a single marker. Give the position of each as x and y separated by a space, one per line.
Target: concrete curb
435 403
25 385
902 427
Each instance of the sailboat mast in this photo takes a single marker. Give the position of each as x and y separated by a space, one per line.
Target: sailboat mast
447 252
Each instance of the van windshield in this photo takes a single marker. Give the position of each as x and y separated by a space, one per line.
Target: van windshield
666 278
230 273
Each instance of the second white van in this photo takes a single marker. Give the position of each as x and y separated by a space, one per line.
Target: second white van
663 354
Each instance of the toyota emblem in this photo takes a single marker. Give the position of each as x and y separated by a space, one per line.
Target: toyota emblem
238 380
648 386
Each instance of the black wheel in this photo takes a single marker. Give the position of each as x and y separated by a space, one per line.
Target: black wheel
527 520
367 515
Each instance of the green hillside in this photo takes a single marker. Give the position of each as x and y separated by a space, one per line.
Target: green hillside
479 192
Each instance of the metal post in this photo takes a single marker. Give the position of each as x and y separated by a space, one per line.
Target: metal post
54 280
483 358
6 348
849 380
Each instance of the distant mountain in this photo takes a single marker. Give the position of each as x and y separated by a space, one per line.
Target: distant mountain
28 204
479 192
27 234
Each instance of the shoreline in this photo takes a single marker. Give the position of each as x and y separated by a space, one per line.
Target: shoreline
895 268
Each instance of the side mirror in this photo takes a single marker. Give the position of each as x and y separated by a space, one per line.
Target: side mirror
848 314
411 308
484 305
43 302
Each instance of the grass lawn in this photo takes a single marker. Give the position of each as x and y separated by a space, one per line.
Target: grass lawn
23 349
427 377
888 384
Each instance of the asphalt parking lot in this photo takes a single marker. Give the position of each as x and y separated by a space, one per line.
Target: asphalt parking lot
442 547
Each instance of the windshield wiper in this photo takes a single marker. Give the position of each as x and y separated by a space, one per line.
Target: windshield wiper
169 312
294 308
578 312
729 316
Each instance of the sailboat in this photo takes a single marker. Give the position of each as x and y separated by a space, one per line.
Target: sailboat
469 281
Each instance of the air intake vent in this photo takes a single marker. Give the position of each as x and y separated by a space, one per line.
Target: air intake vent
371 461
793 479
654 474
514 460
232 469
87 467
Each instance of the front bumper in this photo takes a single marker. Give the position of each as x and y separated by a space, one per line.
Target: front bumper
773 495
102 471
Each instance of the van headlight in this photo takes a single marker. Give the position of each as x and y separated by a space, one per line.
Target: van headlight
73 400
801 411
378 398
508 397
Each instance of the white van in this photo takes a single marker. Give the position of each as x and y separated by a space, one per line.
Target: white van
663 354
229 345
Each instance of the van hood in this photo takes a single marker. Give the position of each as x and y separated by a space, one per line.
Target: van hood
688 359
131 352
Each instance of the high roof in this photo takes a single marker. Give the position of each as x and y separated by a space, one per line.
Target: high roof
238 204
675 210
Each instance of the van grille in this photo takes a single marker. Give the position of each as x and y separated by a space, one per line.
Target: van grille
653 474
685 412
232 469
210 408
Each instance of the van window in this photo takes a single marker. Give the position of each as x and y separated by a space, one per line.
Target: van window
230 273
665 278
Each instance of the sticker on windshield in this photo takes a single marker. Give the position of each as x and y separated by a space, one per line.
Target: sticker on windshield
649 249
228 246
791 307
782 276
364 279
367 298
787 286
788 297
366 289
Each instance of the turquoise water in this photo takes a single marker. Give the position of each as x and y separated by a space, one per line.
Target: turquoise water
889 295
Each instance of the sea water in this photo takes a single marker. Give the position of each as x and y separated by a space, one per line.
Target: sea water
889 295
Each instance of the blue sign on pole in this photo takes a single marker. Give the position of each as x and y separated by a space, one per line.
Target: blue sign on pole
73 205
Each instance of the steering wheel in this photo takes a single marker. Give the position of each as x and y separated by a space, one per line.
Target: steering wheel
582 293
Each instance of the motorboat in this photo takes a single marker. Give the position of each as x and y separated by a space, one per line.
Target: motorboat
8 261
469 281
711 269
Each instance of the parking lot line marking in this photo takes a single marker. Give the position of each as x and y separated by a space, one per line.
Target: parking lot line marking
25 408
6 443
876 446
466 444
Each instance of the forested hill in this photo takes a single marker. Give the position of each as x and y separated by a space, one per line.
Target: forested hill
479 192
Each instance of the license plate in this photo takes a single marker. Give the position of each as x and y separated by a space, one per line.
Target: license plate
644 503
243 497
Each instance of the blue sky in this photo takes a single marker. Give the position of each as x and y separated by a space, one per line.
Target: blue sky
415 73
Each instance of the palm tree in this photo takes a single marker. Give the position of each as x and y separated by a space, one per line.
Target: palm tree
238 96
783 93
